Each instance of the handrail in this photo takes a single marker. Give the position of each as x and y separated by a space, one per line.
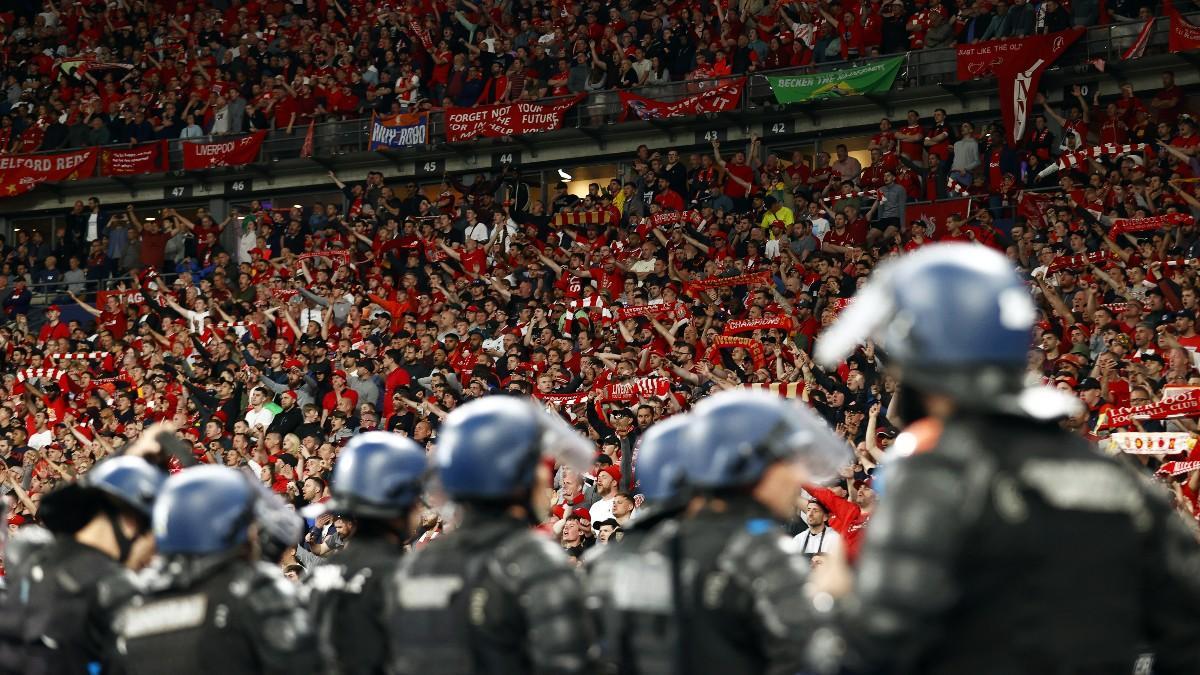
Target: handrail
600 109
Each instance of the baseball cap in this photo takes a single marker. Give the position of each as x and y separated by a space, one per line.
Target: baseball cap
1087 383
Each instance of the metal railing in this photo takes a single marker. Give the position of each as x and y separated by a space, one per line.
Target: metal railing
601 109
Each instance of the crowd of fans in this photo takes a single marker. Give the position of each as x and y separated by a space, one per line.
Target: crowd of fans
271 336
94 73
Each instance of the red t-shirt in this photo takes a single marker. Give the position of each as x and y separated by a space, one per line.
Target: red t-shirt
732 187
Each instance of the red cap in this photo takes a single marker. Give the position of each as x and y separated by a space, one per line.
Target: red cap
612 471
293 363
291 393
53 308
340 373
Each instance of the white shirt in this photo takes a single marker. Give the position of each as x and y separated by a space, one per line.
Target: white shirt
820 226
261 416
824 542
478 232
93 228
601 510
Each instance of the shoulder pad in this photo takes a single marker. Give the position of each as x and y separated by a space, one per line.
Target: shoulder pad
116 589
531 552
25 543
265 590
767 554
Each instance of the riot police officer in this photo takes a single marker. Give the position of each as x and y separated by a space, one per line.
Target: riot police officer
493 596
1002 542
623 630
726 581
376 481
99 527
207 604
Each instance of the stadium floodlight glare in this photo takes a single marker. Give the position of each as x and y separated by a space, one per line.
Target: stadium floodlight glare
297 206
564 175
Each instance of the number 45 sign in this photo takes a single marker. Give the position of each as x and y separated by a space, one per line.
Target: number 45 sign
430 167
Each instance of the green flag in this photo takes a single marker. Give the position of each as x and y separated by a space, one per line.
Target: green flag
873 77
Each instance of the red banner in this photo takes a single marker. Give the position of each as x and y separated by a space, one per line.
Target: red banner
1072 262
1184 36
1178 468
142 158
982 59
1033 206
1018 75
22 173
235 152
1184 405
719 342
635 390
937 213
674 311
767 322
748 279
719 99
1123 225
506 119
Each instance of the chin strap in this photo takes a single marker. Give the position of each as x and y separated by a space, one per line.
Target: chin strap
124 543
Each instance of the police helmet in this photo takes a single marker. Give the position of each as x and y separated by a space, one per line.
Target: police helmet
954 319
489 448
734 436
377 475
203 510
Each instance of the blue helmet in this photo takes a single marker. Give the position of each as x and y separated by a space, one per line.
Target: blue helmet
733 437
660 458
489 448
129 482
378 474
203 510
952 318
279 526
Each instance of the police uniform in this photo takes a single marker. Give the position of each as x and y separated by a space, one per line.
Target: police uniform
616 604
1014 526
721 592
212 615
46 621
347 605
490 597
1010 545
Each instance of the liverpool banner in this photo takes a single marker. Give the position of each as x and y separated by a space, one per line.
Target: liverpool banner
1184 36
1019 75
506 119
718 99
399 131
22 173
142 158
868 79
981 59
235 152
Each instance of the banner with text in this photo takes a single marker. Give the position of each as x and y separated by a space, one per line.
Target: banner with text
234 152
856 81
22 173
399 131
1019 76
718 99
1184 36
506 119
142 158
